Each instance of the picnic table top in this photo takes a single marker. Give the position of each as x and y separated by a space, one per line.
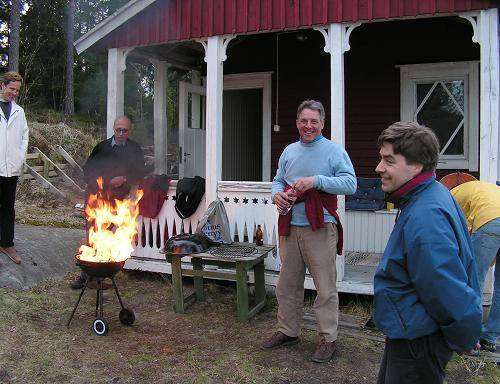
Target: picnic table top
237 251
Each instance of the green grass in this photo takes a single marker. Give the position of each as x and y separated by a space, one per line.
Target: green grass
206 345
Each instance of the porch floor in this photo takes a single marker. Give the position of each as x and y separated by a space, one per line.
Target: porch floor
359 270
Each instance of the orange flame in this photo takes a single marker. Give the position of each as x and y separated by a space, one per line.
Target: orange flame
113 227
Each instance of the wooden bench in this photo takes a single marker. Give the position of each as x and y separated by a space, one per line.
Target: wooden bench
236 256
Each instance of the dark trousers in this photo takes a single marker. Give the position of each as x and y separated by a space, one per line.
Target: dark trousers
7 215
418 361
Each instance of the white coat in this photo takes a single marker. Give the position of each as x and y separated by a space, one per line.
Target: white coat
14 136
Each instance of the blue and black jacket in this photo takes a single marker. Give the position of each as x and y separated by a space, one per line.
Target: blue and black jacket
426 281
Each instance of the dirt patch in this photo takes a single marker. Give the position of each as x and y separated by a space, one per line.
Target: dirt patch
37 206
206 345
74 140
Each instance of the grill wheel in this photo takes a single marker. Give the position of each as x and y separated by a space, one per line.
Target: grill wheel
100 326
127 317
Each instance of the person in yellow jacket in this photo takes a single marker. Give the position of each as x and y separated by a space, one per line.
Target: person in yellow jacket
480 202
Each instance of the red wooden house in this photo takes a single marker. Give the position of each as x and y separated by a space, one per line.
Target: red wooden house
251 62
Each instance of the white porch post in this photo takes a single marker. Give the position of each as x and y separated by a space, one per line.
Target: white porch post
215 55
336 43
489 112
485 32
115 101
160 115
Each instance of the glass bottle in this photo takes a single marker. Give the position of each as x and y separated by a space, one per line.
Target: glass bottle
258 236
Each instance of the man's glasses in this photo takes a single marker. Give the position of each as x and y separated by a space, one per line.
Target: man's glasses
121 131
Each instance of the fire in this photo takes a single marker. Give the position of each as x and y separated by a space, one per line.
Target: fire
113 227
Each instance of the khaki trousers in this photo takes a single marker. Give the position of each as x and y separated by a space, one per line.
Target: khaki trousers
316 251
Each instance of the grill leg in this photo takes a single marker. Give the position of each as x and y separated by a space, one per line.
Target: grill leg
116 291
100 293
78 302
97 300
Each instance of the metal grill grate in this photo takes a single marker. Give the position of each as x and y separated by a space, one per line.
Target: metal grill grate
233 251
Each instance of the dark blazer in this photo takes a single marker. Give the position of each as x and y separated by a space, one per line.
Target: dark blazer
108 161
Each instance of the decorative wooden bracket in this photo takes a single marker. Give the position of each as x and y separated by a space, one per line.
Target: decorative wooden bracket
224 42
475 21
346 31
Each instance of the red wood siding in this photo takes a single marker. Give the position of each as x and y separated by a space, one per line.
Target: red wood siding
175 20
372 85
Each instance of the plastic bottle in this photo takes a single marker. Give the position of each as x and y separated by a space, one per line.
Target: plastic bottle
292 196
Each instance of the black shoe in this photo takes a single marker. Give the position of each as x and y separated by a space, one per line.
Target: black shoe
370 324
487 346
78 282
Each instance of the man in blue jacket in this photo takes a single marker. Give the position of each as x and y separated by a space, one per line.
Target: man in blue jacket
425 286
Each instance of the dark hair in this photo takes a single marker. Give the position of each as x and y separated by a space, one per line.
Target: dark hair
313 105
10 76
418 144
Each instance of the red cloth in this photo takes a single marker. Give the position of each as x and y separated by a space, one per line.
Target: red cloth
314 201
396 196
154 197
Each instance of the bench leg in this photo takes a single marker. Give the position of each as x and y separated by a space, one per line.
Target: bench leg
260 282
241 291
177 285
198 280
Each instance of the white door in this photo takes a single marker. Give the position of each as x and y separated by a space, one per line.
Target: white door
191 130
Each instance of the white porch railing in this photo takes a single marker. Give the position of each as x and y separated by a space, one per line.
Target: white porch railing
153 233
368 231
248 204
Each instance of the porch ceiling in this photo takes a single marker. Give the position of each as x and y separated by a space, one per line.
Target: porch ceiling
184 55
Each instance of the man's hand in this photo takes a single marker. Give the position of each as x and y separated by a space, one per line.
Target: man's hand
303 184
118 181
281 201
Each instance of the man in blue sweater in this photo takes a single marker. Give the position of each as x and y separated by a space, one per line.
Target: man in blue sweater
425 285
311 172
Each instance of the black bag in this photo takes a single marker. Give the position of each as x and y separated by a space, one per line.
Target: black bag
188 195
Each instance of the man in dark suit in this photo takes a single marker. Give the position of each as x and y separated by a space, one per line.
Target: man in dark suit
120 162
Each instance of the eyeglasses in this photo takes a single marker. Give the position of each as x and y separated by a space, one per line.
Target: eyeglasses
122 130
313 122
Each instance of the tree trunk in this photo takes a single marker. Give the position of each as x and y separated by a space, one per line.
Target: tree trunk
69 103
15 22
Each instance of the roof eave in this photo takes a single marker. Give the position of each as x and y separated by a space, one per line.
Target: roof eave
109 24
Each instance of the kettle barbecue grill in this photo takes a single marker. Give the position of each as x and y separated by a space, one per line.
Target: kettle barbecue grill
99 271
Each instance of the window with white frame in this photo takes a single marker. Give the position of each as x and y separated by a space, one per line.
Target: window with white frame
445 98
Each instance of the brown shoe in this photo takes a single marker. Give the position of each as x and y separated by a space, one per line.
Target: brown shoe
278 340
12 253
79 281
324 351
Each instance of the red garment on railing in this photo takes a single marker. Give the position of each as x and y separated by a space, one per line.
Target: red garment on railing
314 201
155 190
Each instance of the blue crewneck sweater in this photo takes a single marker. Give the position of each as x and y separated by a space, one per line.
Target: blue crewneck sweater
327 161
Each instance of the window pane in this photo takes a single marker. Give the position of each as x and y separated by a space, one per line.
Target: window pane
441 114
456 88
195 111
456 147
422 90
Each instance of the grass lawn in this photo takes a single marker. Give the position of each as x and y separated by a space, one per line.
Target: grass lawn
206 345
